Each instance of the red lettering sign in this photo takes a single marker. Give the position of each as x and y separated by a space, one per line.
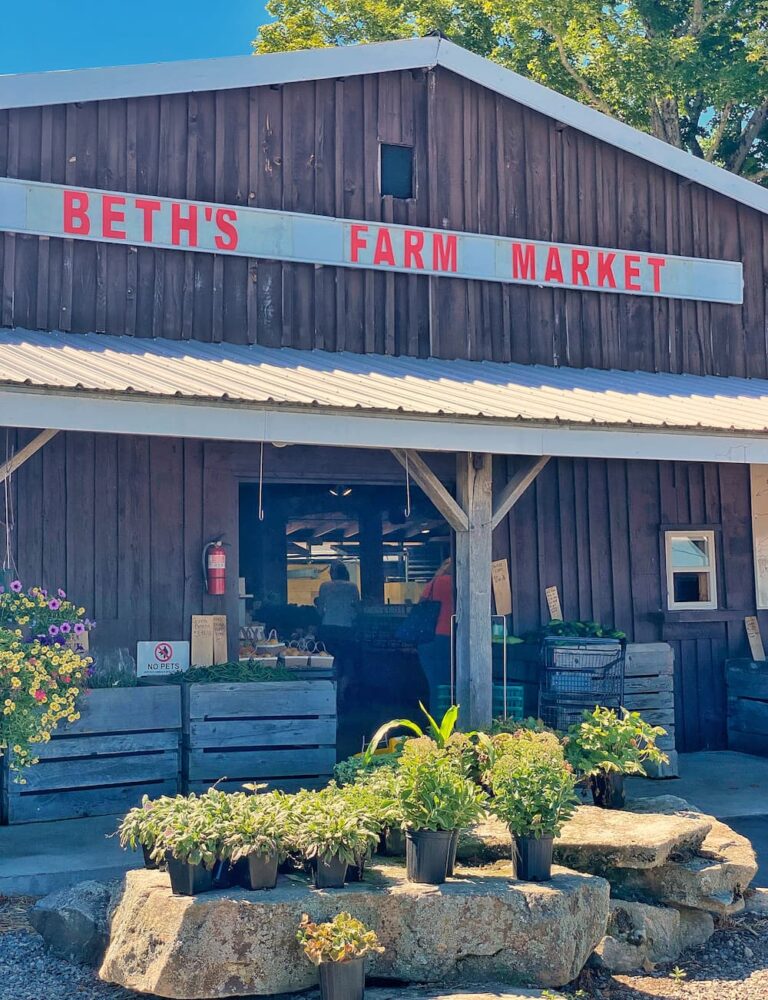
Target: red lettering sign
183 224
76 219
554 268
384 253
228 236
524 262
656 264
579 265
632 272
413 246
148 207
444 252
605 275
110 216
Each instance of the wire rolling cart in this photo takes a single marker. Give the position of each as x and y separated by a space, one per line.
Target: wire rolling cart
579 673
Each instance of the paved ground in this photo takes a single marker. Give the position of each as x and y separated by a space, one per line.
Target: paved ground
731 786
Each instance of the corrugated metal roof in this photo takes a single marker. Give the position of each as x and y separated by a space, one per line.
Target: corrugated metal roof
343 382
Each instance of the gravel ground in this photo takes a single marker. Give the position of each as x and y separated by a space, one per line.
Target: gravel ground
733 965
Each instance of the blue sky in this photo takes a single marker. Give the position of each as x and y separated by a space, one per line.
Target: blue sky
67 34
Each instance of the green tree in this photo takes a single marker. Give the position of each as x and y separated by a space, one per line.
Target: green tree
691 72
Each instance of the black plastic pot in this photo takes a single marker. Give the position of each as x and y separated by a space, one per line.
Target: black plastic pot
608 790
452 855
261 871
356 872
342 980
394 843
427 855
532 858
329 874
149 864
188 880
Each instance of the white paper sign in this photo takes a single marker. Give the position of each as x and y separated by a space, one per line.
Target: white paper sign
158 659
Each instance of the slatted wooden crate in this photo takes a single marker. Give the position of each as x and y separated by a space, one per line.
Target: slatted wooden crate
747 706
126 743
282 733
649 689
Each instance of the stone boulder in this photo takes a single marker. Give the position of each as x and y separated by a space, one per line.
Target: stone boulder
640 936
481 926
714 879
73 922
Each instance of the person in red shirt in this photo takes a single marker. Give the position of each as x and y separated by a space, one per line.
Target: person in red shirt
435 656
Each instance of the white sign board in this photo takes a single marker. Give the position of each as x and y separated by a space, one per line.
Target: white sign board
176 224
158 659
759 490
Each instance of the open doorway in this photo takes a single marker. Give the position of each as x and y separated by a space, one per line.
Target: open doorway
346 564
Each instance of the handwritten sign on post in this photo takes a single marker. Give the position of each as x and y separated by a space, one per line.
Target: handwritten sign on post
553 603
502 591
755 639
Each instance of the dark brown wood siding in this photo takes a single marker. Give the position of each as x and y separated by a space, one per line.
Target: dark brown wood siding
483 164
120 523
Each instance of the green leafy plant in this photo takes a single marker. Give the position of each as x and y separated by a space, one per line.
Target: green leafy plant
330 825
259 824
678 975
348 771
435 794
440 732
142 825
377 793
192 828
234 672
339 940
606 741
576 630
533 785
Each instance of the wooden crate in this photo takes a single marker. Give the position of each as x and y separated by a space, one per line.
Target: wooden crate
126 743
282 733
649 689
747 683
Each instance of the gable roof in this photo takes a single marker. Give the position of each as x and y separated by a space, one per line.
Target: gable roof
68 86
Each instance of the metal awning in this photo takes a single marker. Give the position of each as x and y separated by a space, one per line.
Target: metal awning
97 382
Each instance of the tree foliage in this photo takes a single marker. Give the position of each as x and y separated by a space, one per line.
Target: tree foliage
691 72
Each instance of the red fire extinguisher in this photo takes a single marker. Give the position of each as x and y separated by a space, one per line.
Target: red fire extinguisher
215 567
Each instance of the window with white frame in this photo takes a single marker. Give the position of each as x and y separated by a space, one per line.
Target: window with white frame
691 570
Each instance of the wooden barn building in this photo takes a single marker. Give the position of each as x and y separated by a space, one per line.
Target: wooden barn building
381 306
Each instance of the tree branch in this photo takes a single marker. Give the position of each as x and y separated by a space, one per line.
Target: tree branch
719 132
748 136
594 99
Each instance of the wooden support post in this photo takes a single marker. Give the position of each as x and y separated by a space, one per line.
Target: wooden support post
16 461
474 667
371 556
421 474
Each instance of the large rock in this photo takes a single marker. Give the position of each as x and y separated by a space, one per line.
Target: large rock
480 927
73 922
641 936
714 879
597 839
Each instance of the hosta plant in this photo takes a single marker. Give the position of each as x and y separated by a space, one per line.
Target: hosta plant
434 793
609 741
533 787
342 939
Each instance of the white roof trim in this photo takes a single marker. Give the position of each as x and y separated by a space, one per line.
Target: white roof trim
221 421
66 86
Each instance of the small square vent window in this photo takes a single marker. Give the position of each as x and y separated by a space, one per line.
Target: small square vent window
396 170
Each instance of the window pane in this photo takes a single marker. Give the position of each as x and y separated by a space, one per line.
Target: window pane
691 588
397 170
690 553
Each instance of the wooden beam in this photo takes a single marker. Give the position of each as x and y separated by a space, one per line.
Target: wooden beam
424 477
515 488
474 653
16 461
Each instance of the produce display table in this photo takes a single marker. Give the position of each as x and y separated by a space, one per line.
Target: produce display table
125 744
279 732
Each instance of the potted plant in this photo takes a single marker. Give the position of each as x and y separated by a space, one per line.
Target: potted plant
190 840
533 793
338 948
436 800
606 745
141 827
332 835
377 794
257 836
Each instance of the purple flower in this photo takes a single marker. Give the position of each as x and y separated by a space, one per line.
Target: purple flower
16 586
61 593
2 589
43 591
53 604
53 630
79 628
65 628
